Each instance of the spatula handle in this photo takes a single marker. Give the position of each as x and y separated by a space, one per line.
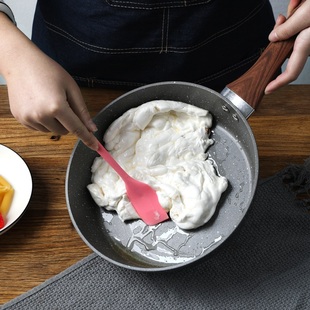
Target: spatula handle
112 162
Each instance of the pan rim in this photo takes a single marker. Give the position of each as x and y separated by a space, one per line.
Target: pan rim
168 267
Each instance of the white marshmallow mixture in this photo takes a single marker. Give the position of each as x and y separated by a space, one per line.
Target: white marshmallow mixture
162 143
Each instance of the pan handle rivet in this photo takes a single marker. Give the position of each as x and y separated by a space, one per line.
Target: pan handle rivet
235 117
225 108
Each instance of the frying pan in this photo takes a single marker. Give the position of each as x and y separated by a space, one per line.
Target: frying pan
134 245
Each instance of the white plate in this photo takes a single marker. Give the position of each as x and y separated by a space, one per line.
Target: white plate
14 169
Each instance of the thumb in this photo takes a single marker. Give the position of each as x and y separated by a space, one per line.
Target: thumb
298 20
283 29
293 4
78 105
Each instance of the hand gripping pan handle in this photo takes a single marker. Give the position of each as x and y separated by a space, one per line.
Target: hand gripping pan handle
247 91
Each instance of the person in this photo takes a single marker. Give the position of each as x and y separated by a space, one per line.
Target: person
129 43
298 23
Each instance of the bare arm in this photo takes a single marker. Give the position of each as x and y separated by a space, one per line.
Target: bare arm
42 95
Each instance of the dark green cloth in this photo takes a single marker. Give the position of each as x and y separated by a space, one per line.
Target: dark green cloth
264 265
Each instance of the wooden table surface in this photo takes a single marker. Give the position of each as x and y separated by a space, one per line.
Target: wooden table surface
44 242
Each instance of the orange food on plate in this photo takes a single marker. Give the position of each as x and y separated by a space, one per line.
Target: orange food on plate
6 197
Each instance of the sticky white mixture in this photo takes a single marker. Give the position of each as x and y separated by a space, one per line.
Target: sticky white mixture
162 143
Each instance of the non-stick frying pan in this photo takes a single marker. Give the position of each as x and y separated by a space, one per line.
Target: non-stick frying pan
136 246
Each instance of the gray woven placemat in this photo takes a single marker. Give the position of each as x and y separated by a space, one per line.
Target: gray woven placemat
265 265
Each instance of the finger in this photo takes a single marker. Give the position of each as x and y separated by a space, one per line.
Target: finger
35 127
280 20
292 5
68 119
292 26
77 104
294 67
42 122
65 121
53 125
48 126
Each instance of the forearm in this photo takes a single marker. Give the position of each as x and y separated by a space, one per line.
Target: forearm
16 49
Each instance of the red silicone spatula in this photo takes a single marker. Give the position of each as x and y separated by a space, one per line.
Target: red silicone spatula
142 196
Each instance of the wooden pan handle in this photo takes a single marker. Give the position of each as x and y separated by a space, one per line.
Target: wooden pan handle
251 85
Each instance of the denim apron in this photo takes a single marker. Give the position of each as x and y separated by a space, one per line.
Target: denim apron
129 43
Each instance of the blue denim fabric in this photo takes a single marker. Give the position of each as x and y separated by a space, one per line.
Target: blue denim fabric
131 43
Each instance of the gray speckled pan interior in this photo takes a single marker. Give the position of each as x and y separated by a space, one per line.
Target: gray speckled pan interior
163 247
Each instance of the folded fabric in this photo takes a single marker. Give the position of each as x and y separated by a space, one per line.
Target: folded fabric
264 265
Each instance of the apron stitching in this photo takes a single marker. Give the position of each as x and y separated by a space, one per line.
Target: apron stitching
106 82
93 81
172 4
162 32
96 48
105 50
229 29
229 69
167 30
